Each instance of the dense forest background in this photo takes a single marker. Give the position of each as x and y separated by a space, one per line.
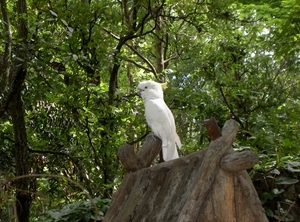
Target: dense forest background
69 71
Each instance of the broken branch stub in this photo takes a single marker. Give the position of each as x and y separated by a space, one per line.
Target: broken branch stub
128 158
149 151
212 128
144 158
235 162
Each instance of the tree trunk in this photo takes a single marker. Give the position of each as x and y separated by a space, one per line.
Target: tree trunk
23 197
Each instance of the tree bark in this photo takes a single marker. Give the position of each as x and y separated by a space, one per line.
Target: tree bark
23 196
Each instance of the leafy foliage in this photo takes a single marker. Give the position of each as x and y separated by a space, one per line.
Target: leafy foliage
277 187
84 60
81 211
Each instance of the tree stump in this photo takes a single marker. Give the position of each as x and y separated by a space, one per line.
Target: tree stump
208 185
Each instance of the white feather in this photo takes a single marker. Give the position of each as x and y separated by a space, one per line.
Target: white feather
160 118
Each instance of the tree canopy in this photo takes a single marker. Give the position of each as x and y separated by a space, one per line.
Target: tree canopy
68 89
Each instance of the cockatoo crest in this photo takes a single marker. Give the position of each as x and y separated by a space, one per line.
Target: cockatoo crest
160 118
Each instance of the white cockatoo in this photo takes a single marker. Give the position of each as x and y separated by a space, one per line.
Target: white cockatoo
160 118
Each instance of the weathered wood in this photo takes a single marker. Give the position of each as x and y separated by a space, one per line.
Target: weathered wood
190 188
250 196
128 158
156 193
235 162
205 181
149 151
144 158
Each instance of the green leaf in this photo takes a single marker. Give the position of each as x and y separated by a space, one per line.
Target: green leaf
277 192
269 212
286 180
266 196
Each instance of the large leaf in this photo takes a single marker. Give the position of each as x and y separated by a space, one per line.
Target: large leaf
286 180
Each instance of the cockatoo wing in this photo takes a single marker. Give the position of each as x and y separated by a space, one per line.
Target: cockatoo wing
160 118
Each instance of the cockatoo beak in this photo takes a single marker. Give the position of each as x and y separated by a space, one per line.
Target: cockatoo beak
140 92
163 85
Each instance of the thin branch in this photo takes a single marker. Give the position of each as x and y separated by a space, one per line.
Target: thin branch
135 51
144 19
171 58
44 78
140 139
144 59
153 70
229 107
130 35
88 131
112 34
48 152
287 212
137 64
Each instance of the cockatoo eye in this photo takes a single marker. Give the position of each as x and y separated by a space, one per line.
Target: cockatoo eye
146 87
